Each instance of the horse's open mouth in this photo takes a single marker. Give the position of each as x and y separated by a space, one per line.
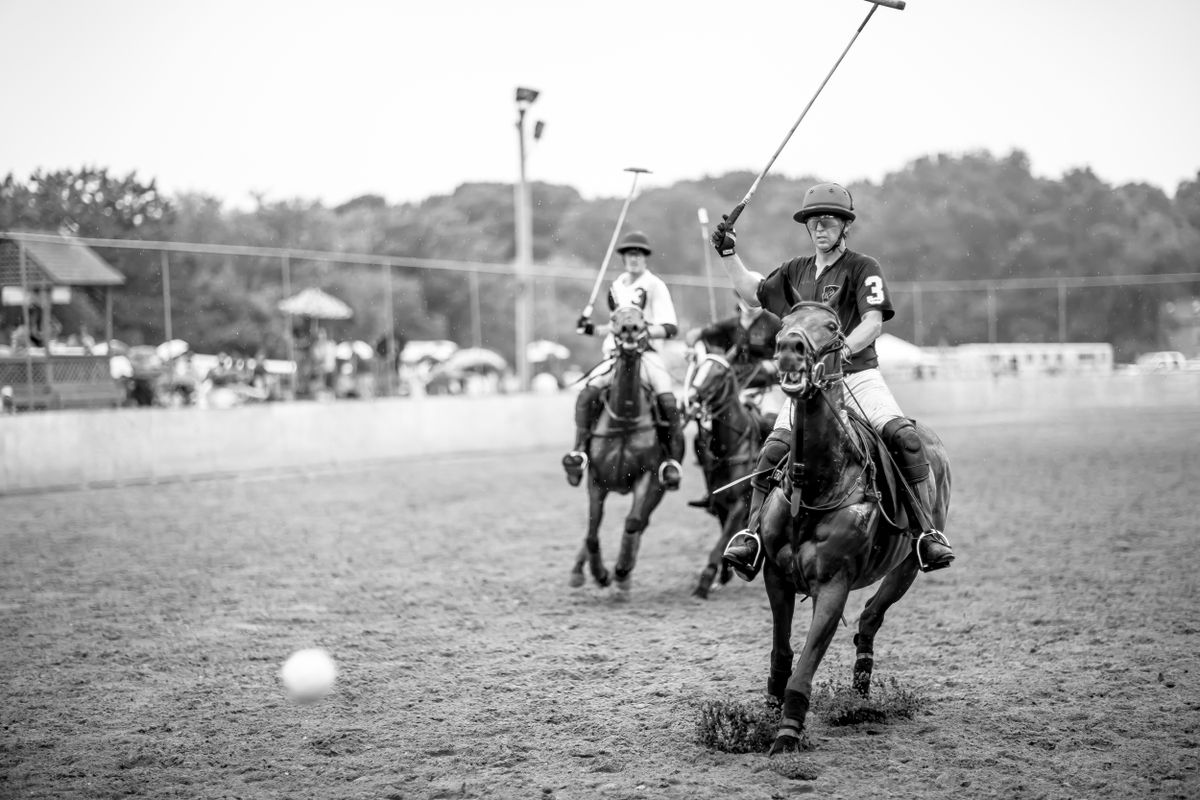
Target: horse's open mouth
792 382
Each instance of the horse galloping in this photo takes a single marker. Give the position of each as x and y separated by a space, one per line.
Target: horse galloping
713 396
831 527
624 455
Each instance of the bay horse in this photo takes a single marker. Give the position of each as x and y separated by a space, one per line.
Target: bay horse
713 397
623 455
827 531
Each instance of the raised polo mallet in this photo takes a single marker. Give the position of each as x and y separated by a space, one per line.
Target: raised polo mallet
587 311
737 210
702 215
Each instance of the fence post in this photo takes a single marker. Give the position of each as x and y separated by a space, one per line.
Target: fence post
916 314
165 268
991 313
392 360
286 266
476 322
1062 312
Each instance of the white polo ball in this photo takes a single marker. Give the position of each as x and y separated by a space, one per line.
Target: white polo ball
309 674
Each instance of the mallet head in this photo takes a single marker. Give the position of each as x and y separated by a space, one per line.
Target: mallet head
896 4
637 169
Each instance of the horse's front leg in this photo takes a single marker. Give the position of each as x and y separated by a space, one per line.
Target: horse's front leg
590 552
733 519
782 596
647 494
829 601
893 587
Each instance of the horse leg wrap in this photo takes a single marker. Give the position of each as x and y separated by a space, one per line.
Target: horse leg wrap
634 525
777 680
864 663
795 709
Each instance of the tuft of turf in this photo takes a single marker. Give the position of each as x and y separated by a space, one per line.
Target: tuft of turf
842 705
737 726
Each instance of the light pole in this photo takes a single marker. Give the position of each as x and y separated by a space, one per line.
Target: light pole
523 219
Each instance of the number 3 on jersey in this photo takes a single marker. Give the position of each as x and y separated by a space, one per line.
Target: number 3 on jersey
875 284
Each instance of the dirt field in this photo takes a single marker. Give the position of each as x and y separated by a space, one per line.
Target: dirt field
143 629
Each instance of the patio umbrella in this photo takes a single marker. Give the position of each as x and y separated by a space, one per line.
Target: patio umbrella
317 304
474 358
541 350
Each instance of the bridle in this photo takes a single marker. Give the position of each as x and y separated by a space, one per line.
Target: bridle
814 375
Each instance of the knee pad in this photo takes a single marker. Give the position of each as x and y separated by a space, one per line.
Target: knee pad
774 451
905 443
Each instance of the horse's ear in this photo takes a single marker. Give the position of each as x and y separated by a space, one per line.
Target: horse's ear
612 301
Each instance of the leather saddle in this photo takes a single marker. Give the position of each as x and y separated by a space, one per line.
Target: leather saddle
884 473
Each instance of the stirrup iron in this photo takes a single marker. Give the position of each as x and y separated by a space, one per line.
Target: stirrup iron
935 535
744 572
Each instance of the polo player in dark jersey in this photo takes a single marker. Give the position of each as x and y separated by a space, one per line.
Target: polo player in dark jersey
853 285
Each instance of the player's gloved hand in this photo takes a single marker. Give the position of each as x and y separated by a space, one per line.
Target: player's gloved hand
584 325
724 237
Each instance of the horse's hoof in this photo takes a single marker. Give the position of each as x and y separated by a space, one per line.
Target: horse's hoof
603 579
786 743
576 580
624 584
701 591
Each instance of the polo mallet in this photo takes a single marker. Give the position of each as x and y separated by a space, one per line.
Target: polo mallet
737 210
702 214
587 310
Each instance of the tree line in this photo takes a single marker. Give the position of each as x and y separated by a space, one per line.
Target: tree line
939 218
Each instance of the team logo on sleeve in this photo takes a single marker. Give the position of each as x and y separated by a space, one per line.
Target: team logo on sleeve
829 292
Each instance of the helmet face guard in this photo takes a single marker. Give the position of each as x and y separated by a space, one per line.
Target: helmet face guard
826 198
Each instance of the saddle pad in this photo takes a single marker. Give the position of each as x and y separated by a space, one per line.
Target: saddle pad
887 482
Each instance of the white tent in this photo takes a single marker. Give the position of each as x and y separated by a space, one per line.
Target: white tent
895 353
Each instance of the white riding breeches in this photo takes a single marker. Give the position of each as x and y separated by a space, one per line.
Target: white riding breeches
864 392
654 373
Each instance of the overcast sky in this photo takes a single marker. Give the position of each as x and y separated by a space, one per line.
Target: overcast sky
330 100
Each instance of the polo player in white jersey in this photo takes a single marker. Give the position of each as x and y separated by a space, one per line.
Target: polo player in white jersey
637 285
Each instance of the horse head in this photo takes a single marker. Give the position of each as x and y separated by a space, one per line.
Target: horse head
808 349
709 384
629 329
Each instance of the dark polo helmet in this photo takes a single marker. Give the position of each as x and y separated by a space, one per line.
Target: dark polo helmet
826 198
634 240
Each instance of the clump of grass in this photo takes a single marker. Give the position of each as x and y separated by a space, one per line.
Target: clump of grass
737 726
842 705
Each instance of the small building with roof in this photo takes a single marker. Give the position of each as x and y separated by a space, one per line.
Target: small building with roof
37 271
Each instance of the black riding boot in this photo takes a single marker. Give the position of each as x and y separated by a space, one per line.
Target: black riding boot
933 549
744 551
587 411
670 436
